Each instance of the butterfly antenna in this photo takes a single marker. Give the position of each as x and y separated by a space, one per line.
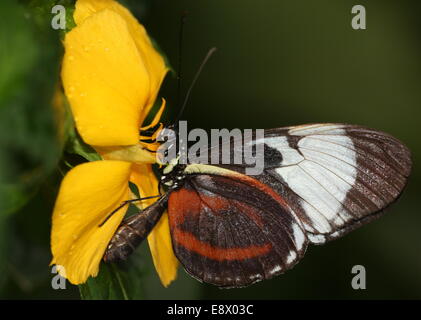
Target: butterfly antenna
186 99
180 56
123 205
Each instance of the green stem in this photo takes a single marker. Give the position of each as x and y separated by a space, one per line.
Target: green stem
120 282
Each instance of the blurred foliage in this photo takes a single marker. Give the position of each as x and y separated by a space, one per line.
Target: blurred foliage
30 139
278 63
29 62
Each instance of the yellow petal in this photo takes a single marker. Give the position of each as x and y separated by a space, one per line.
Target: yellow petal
136 154
139 153
106 80
160 244
88 194
159 239
155 64
85 8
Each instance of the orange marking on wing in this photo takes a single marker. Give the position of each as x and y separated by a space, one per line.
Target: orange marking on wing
190 242
183 202
186 202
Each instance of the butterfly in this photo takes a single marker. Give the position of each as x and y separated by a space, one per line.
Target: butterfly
230 229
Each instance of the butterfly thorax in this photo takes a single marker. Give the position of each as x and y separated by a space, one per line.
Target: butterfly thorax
173 174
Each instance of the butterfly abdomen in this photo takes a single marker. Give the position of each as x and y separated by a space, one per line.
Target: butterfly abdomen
133 231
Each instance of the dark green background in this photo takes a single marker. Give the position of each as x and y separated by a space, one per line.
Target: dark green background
278 63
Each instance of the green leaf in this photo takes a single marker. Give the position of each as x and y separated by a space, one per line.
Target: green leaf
134 189
76 145
121 281
108 285
30 149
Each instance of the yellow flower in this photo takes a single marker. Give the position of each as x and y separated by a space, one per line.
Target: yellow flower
111 76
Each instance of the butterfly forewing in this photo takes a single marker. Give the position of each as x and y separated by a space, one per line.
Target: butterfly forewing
335 177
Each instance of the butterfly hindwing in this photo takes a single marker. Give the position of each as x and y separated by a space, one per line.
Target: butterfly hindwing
232 230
